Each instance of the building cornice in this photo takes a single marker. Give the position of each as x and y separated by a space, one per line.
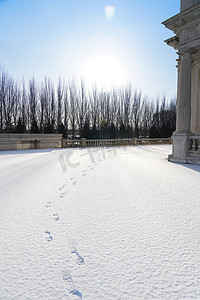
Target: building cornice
173 41
188 15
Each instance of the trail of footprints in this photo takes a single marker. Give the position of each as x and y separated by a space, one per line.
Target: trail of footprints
55 216
70 287
72 245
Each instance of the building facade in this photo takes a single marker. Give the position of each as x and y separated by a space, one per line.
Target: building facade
186 41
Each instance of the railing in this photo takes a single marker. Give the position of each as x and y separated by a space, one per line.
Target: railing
71 143
109 143
83 143
194 145
154 141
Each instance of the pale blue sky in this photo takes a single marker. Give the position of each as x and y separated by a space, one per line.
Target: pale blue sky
73 38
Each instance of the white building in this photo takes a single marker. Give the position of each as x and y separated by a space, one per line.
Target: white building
186 26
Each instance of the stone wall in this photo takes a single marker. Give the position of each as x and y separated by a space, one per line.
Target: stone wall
25 141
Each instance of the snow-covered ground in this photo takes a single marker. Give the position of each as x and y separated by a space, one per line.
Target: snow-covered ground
113 224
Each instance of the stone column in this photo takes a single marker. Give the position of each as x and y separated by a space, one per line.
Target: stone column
194 97
178 89
184 97
198 106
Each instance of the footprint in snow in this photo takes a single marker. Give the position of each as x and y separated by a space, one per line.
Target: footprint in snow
70 287
84 172
73 179
62 187
62 195
48 236
48 204
55 217
79 259
72 245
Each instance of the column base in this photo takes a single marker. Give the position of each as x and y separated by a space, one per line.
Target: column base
176 160
180 147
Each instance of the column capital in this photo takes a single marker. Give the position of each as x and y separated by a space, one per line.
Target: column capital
184 52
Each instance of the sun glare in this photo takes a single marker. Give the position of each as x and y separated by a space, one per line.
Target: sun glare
109 12
104 71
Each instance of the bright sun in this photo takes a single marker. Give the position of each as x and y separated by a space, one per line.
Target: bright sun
105 71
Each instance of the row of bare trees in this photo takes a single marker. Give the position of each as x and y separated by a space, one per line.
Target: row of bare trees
73 110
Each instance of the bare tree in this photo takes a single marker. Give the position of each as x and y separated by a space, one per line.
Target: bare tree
73 102
136 112
120 112
60 94
82 107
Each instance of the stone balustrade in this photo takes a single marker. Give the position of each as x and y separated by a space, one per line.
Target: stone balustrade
193 153
83 143
40 141
194 145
